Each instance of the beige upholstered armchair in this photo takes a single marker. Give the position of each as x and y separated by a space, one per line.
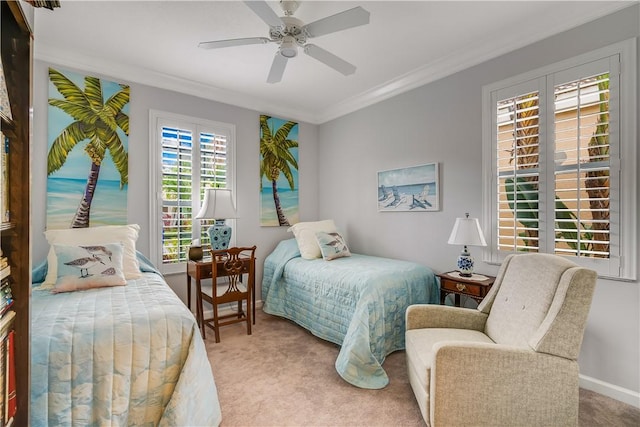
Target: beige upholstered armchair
511 362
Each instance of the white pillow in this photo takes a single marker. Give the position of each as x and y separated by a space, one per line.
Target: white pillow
305 233
126 234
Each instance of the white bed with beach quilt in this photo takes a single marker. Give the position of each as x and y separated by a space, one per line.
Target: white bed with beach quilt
118 355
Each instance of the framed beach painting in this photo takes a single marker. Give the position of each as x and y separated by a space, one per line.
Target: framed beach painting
412 189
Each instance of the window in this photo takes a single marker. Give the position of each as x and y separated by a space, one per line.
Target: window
559 150
188 155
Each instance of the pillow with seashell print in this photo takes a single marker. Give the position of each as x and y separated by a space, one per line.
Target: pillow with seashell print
83 267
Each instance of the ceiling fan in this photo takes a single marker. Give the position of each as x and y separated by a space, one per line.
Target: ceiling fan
290 33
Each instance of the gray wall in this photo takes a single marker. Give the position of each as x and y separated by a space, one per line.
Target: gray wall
439 122
442 122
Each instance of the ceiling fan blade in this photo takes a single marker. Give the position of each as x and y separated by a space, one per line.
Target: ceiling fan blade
329 59
338 22
233 42
264 11
277 68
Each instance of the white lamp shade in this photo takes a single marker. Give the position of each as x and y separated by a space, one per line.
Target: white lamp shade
218 204
467 231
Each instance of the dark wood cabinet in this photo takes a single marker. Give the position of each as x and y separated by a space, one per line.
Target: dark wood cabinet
16 54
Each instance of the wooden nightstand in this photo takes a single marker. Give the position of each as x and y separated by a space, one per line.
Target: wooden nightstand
475 287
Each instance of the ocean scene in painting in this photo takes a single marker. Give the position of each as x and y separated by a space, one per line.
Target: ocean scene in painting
66 185
409 189
288 197
64 194
288 201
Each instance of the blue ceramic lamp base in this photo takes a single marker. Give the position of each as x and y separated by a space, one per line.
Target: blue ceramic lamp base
219 235
465 263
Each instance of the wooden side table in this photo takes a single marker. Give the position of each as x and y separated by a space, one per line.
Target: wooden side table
199 270
475 287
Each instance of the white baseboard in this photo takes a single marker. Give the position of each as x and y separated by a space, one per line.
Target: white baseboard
629 397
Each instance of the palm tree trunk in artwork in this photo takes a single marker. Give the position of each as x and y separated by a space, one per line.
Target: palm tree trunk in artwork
282 219
83 213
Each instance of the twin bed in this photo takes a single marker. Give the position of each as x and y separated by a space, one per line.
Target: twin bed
117 356
357 302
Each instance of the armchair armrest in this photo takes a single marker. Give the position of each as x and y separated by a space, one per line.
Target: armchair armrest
492 384
420 316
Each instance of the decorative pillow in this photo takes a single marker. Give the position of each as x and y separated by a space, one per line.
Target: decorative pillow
305 233
126 234
88 266
332 245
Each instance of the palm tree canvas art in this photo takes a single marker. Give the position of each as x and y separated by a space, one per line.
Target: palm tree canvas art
88 160
278 172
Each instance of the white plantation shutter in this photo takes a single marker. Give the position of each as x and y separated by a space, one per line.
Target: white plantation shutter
554 143
177 194
193 156
584 138
213 161
518 172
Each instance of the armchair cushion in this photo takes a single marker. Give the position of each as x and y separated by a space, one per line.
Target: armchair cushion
526 292
420 344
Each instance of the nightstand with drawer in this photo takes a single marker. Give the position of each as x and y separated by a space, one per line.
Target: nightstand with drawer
476 286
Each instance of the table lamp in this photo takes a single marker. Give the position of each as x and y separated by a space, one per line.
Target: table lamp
218 205
467 232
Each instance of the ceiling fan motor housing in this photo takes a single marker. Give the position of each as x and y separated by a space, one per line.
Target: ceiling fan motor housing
293 28
290 37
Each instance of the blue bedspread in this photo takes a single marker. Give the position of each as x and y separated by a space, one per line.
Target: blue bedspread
357 302
125 355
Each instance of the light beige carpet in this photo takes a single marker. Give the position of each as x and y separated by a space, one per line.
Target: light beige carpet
282 375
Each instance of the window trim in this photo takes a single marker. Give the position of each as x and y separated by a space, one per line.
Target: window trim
628 253
155 179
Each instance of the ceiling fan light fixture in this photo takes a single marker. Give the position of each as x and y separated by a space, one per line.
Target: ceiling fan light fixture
288 47
290 33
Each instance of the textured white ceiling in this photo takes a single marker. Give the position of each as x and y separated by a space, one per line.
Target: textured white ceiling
406 44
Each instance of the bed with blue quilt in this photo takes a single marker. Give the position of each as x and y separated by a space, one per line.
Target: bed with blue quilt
357 302
118 356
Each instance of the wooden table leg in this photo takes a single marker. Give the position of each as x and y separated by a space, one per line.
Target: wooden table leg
189 291
199 310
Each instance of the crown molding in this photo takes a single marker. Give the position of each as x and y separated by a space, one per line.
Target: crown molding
134 74
473 54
